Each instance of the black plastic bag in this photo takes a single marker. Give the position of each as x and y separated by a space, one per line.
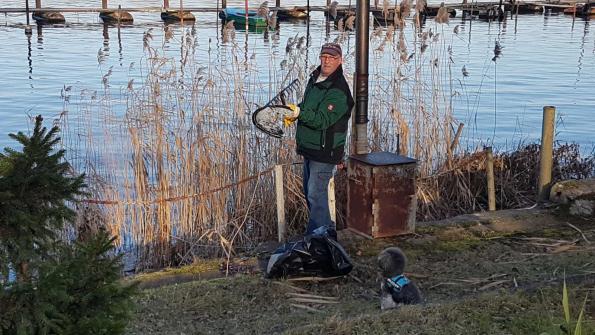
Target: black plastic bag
318 254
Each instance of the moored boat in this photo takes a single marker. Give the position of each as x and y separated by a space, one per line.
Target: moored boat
116 16
292 13
176 15
581 10
239 17
48 17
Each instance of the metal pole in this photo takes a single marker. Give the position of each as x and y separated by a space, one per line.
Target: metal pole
28 30
246 12
491 182
361 68
103 4
281 228
278 3
307 34
546 153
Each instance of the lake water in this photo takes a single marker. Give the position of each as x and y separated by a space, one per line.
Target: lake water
546 60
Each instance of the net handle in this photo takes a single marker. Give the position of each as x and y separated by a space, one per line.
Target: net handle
281 94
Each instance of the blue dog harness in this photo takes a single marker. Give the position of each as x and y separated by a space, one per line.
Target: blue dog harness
398 282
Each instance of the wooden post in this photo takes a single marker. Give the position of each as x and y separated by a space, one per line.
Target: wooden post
455 141
165 4
224 4
278 3
332 204
103 4
181 12
491 183
281 228
546 153
28 28
37 4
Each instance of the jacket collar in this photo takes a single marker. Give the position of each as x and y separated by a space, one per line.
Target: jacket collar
329 80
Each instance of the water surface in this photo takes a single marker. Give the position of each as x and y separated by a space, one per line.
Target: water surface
546 60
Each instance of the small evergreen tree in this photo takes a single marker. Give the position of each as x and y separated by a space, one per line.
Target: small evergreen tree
49 286
35 187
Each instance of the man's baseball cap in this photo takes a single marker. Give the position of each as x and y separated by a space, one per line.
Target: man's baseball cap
332 49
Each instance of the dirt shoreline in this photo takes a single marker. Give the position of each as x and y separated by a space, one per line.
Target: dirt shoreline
488 273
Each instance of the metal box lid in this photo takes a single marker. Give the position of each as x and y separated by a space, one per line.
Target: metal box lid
383 158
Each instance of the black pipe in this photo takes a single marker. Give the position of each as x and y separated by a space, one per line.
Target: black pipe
361 66
27 10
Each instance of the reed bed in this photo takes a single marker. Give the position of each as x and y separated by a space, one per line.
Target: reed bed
178 172
461 187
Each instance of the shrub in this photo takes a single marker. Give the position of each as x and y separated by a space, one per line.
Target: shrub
48 285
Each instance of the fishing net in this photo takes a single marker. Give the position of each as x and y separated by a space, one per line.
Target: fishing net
269 118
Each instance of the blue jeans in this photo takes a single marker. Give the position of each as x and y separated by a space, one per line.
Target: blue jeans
316 178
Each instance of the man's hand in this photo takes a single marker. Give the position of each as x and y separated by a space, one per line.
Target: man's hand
290 117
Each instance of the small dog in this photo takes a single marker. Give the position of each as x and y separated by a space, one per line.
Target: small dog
395 288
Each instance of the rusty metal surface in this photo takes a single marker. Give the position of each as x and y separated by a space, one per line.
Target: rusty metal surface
359 201
381 198
394 200
383 158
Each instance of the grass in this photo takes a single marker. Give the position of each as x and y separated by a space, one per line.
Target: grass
509 282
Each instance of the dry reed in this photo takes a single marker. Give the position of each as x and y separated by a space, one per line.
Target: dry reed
179 172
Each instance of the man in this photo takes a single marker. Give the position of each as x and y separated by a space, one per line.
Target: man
322 117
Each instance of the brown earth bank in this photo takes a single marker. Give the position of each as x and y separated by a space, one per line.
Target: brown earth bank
490 273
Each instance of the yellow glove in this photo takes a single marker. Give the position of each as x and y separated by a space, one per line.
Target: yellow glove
290 117
294 108
287 121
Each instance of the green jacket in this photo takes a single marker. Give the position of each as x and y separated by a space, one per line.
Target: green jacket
323 120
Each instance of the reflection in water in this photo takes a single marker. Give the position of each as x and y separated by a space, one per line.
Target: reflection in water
40 37
120 58
520 51
29 59
582 53
105 34
103 53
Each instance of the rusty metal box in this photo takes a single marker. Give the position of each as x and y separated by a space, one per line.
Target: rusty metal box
381 198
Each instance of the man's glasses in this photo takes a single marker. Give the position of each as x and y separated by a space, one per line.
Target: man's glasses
327 57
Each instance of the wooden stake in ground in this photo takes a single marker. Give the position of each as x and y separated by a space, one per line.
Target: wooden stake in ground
491 182
281 227
331 200
546 153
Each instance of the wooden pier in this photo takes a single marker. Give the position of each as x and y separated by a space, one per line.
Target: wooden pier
122 14
159 9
